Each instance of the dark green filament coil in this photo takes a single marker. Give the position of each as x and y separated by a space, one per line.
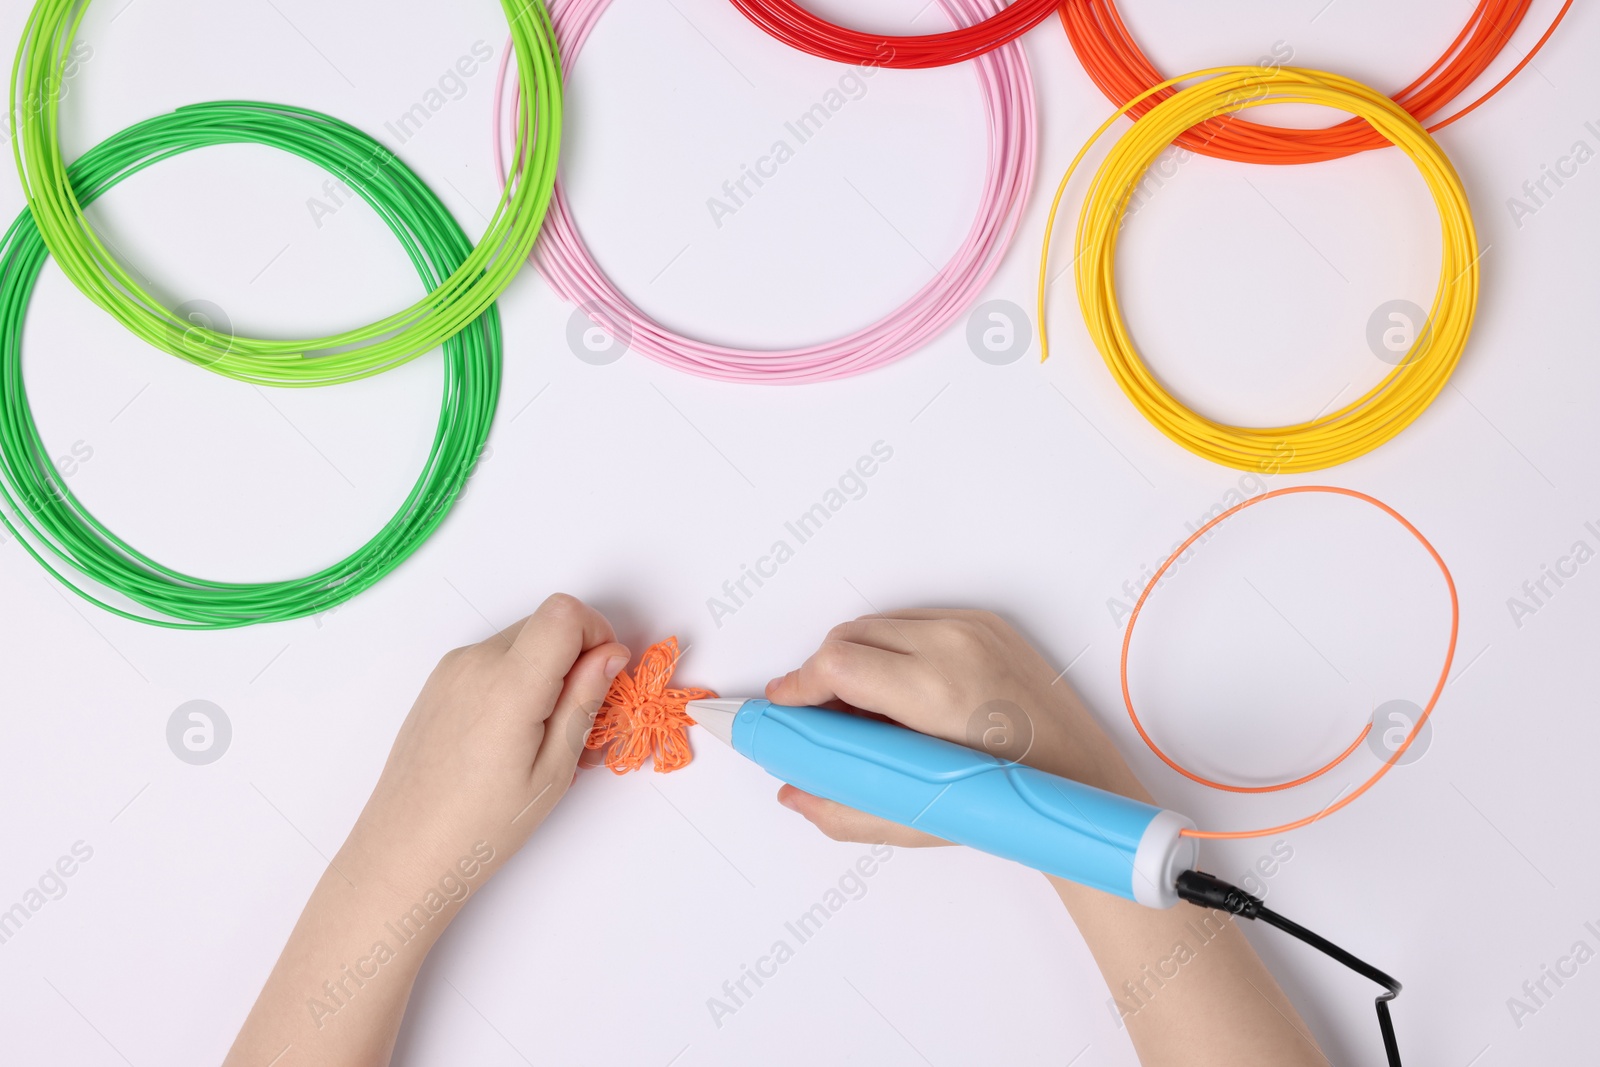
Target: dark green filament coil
72 544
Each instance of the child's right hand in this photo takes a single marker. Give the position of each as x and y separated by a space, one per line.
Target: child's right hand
967 677
964 676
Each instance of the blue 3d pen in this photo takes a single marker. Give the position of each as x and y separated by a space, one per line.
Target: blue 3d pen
972 798
965 796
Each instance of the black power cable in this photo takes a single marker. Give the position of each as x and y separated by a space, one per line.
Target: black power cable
1212 892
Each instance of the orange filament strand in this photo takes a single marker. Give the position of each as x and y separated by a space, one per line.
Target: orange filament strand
1444 674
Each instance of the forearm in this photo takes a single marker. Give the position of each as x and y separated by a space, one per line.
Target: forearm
1184 981
1187 985
340 987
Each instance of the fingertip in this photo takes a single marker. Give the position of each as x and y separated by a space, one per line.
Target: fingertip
613 658
589 682
596 671
572 717
791 798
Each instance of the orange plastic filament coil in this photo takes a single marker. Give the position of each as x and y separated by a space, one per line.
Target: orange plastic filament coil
1114 60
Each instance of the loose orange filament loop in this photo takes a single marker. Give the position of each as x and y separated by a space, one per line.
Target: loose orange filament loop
1444 674
643 719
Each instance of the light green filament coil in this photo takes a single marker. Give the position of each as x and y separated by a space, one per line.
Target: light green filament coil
458 300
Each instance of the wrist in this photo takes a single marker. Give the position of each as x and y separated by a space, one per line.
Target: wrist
412 891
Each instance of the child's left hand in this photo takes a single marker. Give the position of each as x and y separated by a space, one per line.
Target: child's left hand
490 747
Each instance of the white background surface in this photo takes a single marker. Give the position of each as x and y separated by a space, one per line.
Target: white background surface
1035 490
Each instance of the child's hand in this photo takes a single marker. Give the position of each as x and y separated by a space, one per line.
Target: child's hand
490 747
964 676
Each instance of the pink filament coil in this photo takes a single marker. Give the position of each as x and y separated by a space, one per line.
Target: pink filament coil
565 261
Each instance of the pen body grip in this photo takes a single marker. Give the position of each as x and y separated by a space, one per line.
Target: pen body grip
1052 824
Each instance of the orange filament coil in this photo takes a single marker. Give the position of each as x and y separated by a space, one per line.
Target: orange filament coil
1342 801
1114 60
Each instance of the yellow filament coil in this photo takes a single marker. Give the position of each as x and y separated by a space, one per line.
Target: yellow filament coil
1330 439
